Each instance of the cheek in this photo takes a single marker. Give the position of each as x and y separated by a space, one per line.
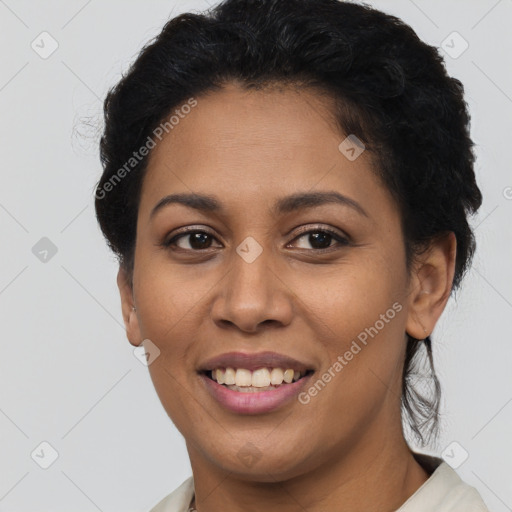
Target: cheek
358 316
349 300
173 313
169 314
170 300
173 390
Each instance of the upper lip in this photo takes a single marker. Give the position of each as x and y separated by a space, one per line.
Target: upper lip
253 361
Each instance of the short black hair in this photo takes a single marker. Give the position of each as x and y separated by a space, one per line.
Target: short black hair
391 90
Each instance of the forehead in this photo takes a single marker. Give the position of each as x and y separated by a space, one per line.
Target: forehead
249 146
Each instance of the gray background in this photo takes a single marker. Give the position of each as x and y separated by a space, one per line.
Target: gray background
69 377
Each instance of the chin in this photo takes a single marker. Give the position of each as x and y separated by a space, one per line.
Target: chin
250 463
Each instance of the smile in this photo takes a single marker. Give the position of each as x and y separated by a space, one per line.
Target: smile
262 379
255 399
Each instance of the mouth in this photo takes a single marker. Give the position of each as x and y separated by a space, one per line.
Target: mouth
254 383
243 380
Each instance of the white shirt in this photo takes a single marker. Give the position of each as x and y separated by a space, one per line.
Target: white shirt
444 491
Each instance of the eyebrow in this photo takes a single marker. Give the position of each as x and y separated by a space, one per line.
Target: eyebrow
288 204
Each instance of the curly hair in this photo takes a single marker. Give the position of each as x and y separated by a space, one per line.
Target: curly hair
390 89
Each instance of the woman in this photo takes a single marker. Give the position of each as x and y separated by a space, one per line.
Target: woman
287 185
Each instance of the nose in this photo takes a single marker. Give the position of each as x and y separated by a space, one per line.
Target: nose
252 295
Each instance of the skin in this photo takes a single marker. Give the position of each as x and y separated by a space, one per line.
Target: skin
249 148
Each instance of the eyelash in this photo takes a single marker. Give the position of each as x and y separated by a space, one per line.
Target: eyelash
342 241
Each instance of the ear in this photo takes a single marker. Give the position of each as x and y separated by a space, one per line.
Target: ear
130 318
431 284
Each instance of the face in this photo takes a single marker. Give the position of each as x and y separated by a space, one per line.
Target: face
261 275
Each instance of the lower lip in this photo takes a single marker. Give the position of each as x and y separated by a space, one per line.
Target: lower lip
257 402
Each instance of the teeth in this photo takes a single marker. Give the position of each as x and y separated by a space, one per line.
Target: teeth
242 377
288 376
219 374
260 378
229 377
276 376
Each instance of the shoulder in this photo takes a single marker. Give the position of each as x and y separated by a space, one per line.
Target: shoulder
444 491
178 500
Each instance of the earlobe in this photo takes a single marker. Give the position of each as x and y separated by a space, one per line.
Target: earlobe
431 285
128 308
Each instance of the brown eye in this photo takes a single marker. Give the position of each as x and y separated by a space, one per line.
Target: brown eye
320 239
192 240
199 240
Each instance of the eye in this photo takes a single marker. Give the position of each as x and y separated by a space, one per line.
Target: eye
195 240
320 239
